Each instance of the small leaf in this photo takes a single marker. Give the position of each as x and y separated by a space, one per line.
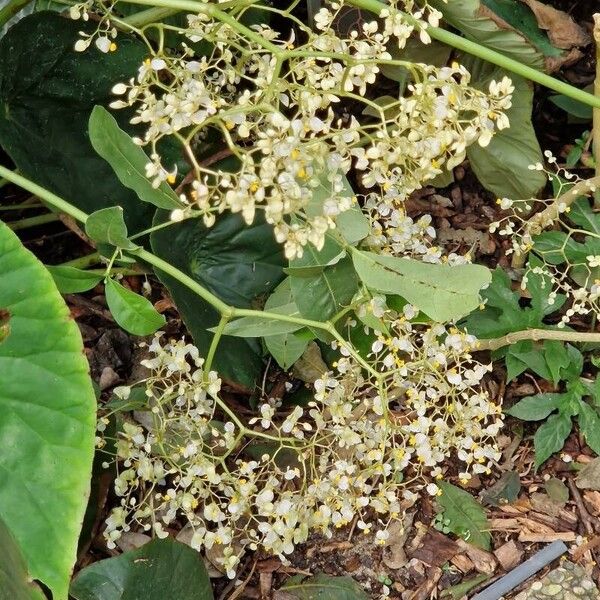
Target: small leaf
443 292
322 587
286 349
15 583
159 569
464 515
589 476
589 422
557 490
70 280
536 408
572 107
107 226
504 491
132 312
127 159
550 437
259 326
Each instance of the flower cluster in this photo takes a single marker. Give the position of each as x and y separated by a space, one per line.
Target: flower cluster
567 256
285 111
357 452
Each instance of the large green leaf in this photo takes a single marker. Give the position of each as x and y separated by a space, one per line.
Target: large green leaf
158 570
481 25
442 292
323 587
503 166
15 583
47 418
237 262
47 92
464 516
127 159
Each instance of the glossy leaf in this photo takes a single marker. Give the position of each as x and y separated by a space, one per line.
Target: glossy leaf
127 159
504 491
323 587
47 93
573 107
239 263
589 422
287 348
70 280
442 292
47 418
159 569
502 166
107 226
15 583
464 516
132 312
550 437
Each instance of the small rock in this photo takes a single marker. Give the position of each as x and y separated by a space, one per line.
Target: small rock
108 378
552 590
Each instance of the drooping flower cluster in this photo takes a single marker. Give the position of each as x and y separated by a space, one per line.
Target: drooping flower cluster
285 111
356 452
562 235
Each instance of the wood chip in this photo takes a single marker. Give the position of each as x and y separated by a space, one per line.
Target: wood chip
423 592
485 562
592 502
509 555
463 563
538 538
435 549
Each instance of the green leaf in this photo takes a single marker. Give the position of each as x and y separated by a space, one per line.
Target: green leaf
107 226
557 490
261 326
581 214
589 422
478 25
504 491
550 437
572 107
132 312
127 159
323 587
70 280
286 349
464 516
47 418
240 264
502 166
443 292
536 408
15 583
159 569
47 93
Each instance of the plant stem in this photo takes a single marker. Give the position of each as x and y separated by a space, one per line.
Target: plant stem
150 15
33 221
11 9
596 111
460 43
375 6
214 343
83 262
537 335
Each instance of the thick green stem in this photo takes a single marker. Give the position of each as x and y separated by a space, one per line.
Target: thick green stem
11 9
83 262
538 335
33 221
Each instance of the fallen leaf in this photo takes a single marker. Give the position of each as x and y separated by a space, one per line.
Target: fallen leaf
544 504
562 30
557 490
509 555
435 549
589 476
504 491
310 366
394 554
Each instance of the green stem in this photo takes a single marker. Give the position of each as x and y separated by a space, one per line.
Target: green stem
460 43
33 221
11 9
150 15
83 262
537 335
214 343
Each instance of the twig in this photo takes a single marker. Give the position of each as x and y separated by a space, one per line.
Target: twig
546 217
536 335
583 513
